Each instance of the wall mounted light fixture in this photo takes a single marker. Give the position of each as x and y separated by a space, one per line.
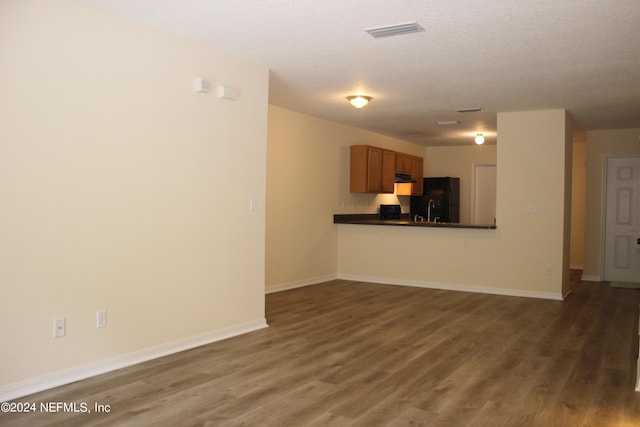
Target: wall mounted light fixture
359 101
479 139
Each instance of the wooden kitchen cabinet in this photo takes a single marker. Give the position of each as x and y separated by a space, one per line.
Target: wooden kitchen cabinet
372 169
388 171
404 163
417 176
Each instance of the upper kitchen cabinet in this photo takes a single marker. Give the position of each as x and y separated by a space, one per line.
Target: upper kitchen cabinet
388 171
417 175
413 166
372 169
404 163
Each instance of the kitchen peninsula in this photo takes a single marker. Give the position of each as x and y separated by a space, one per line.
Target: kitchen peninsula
403 221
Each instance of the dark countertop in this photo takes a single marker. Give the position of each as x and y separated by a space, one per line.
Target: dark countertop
404 221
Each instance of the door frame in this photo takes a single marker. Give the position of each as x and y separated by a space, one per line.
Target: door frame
474 189
603 207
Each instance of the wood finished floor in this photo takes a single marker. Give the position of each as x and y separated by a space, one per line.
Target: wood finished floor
347 353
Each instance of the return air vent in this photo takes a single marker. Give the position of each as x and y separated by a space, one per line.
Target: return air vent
395 30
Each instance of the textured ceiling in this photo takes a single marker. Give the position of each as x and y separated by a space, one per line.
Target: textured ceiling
499 55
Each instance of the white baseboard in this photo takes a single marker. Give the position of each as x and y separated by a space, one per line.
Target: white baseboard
35 385
299 284
589 278
455 287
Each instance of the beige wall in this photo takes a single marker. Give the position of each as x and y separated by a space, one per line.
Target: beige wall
512 259
599 145
567 187
578 195
458 162
307 183
116 189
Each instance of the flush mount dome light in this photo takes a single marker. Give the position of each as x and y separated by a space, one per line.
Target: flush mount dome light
479 139
359 101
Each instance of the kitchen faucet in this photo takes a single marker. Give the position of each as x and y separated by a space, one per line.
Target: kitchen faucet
431 202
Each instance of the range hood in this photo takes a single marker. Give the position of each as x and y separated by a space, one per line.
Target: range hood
403 178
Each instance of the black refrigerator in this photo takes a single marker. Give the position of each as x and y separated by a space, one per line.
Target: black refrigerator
444 194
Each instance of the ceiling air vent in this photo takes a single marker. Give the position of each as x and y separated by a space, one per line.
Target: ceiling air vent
395 30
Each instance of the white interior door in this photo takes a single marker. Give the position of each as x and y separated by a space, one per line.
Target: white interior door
622 220
483 203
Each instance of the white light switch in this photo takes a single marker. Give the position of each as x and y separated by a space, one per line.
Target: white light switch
101 318
59 327
253 204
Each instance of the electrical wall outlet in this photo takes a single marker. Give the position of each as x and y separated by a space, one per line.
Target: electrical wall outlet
101 318
59 327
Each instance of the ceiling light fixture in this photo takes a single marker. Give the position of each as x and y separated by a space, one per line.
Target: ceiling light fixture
479 139
359 101
468 110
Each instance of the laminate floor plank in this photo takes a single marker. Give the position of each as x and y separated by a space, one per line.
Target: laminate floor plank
327 419
346 353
